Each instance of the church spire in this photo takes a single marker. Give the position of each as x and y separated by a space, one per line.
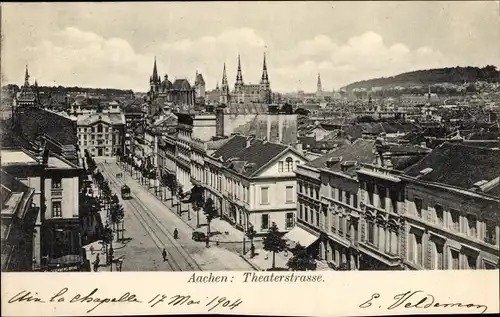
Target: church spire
318 86
265 77
26 77
155 76
239 76
224 77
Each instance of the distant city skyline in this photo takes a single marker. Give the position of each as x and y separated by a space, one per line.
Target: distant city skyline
113 45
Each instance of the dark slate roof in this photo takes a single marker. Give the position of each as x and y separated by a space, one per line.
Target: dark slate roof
35 121
458 165
361 151
181 84
231 147
247 160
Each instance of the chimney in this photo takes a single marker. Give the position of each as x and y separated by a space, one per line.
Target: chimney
249 141
298 147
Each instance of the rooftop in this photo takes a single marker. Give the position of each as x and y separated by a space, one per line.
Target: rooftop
248 160
16 156
457 165
110 118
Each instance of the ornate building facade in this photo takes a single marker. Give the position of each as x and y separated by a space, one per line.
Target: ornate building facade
179 92
245 93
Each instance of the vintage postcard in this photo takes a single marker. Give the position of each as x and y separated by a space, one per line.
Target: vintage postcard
273 158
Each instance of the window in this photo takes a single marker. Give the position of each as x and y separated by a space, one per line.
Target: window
381 197
355 200
455 220
289 220
437 257
472 225
341 226
454 260
300 187
348 227
56 209
371 232
369 189
418 207
415 248
306 213
289 194
264 195
439 215
280 166
471 262
99 128
348 198
56 183
332 192
265 222
340 194
490 236
489 266
393 242
289 164
317 193
301 215
317 217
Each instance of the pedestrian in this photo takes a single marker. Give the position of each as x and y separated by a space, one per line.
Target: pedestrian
267 256
92 249
96 263
164 254
252 251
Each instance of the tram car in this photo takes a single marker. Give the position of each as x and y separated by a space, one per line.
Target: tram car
125 192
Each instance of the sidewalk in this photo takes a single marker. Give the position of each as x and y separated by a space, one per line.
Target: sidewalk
99 249
261 263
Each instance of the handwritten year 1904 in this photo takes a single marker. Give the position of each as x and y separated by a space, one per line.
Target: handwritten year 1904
186 300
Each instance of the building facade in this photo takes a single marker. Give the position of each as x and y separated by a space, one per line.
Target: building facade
252 183
102 134
179 92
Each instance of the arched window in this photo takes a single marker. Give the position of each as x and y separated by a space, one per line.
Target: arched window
99 128
289 164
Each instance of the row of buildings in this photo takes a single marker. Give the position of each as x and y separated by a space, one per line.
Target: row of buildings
369 204
42 174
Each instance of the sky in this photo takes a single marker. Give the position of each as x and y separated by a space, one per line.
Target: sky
113 45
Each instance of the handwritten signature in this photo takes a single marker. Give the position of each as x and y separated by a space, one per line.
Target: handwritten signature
210 303
418 299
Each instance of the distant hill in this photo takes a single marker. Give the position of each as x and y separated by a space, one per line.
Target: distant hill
76 90
454 75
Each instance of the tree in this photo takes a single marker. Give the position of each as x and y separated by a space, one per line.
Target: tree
210 213
274 242
301 260
117 215
180 194
196 200
251 235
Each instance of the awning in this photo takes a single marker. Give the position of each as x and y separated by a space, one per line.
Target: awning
299 235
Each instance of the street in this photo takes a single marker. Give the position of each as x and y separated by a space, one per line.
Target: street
149 227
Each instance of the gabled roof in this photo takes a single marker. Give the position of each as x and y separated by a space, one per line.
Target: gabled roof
250 160
110 118
458 165
361 151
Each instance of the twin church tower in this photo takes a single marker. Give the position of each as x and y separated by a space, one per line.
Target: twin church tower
181 92
245 93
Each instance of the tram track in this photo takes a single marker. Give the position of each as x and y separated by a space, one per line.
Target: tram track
160 235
